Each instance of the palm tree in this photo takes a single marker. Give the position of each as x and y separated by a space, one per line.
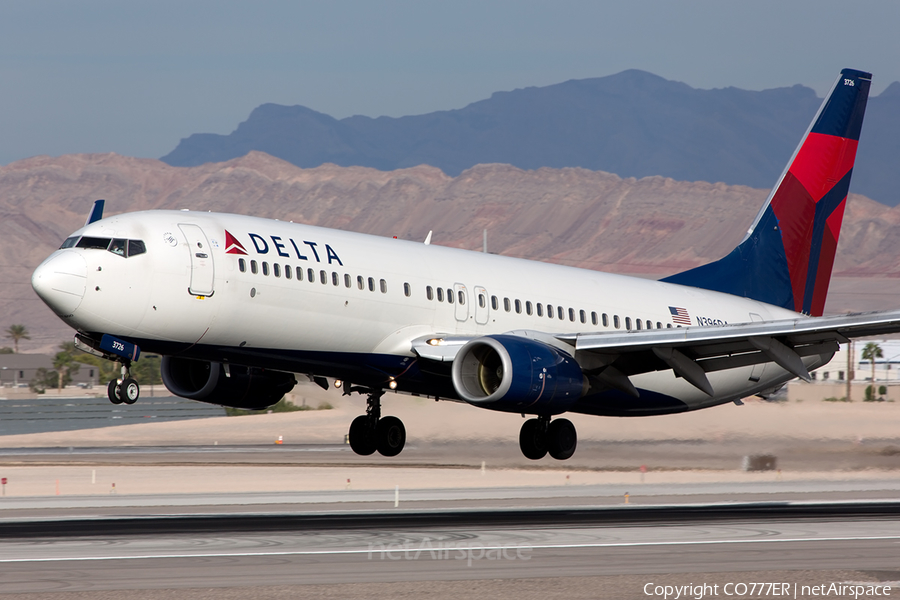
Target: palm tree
16 333
870 352
65 364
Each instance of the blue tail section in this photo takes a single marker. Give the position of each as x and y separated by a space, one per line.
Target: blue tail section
788 253
96 212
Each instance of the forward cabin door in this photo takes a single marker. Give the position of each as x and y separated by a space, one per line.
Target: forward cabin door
202 268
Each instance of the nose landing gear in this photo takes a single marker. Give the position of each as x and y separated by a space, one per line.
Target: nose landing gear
371 431
125 389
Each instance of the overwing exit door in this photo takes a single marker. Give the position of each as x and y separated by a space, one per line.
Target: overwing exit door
462 302
202 268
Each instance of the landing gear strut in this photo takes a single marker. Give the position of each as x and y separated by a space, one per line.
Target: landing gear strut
371 431
540 436
125 389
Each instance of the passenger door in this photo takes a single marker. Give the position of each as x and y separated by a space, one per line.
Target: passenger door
202 268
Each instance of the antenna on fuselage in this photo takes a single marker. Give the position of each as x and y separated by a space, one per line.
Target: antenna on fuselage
428 239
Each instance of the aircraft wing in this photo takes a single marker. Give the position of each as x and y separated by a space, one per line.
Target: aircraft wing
694 351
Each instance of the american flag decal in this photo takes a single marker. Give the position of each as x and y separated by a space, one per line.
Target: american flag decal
680 315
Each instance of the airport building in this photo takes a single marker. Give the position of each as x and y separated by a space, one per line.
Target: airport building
18 370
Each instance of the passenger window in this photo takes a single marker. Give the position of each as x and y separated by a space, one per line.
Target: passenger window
572 314
406 290
429 293
449 295
637 323
668 326
658 325
288 271
335 279
265 268
605 320
348 281
518 306
440 292
528 307
383 286
311 275
594 317
136 247
628 323
506 305
550 311
495 304
616 321
462 296
481 301
276 269
583 316
371 284
360 282
561 313
242 265
540 310
299 274
323 277
254 268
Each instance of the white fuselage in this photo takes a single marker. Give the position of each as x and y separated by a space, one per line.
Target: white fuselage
360 294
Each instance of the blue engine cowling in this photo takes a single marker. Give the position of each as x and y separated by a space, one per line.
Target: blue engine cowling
240 387
515 374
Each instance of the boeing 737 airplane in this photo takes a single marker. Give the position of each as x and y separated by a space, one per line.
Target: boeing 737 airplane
238 305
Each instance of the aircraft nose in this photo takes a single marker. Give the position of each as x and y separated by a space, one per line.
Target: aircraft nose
60 282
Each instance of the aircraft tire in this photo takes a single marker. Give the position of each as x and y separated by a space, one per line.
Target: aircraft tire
130 391
362 438
561 439
390 436
533 440
113 391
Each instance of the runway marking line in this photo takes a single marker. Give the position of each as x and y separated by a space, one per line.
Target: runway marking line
401 549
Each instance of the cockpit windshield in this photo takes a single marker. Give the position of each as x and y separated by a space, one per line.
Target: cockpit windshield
118 246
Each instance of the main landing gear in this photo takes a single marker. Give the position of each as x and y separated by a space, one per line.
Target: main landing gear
540 436
371 431
124 389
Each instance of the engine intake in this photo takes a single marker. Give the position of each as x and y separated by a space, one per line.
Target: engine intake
242 387
515 374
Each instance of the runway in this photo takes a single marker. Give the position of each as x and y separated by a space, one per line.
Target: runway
612 547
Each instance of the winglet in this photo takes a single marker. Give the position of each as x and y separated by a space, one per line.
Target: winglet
96 212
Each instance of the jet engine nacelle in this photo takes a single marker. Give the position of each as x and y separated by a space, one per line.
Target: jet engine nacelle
515 374
239 387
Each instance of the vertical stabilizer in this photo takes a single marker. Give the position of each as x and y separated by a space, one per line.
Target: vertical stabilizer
787 255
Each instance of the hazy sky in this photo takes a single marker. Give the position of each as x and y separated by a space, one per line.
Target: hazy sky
135 77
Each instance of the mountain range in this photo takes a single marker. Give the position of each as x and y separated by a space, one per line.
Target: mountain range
633 124
653 226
